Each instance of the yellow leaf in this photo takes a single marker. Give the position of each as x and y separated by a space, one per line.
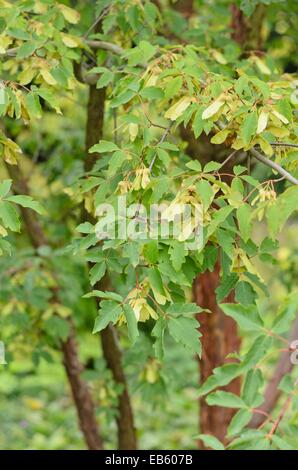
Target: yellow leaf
212 109
278 131
133 130
178 108
47 76
265 146
33 403
220 137
219 57
262 66
279 116
70 41
72 16
262 122
3 231
26 76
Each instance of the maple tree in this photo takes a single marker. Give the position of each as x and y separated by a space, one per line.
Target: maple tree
183 107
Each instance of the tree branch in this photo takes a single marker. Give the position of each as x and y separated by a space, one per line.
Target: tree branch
80 390
275 166
104 45
125 421
283 144
92 43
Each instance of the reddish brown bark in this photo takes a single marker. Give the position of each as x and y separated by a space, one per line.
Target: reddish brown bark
247 31
125 423
127 439
220 336
238 25
80 390
219 339
81 394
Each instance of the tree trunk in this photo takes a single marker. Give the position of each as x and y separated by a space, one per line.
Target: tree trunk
81 394
80 390
248 31
125 422
220 335
112 353
219 339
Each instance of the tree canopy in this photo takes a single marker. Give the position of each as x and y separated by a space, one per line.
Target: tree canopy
149 182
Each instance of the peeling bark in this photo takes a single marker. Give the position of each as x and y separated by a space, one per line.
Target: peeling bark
73 367
112 353
219 339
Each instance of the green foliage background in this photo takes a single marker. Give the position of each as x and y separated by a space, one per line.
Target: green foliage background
44 115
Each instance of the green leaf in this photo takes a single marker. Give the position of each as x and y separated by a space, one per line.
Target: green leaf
150 251
27 201
85 227
247 317
116 161
185 331
9 216
285 108
257 351
163 156
26 50
177 254
56 327
151 93
285 317
226 286
211 166
33 105
253 382
225 399
281 443
249 127
173 87
109 311
244 220
239 420
132 323
244 293
104 146
205 193
194 165
220 216
198 123
97 272
104 295
210 441
5 186
105 79
156 285
221 377
278 213
179 309
122 98
158 332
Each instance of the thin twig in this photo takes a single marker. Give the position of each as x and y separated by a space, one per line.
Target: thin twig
107 46
281 415
163 137
228 158
275 166
104 12
283 144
